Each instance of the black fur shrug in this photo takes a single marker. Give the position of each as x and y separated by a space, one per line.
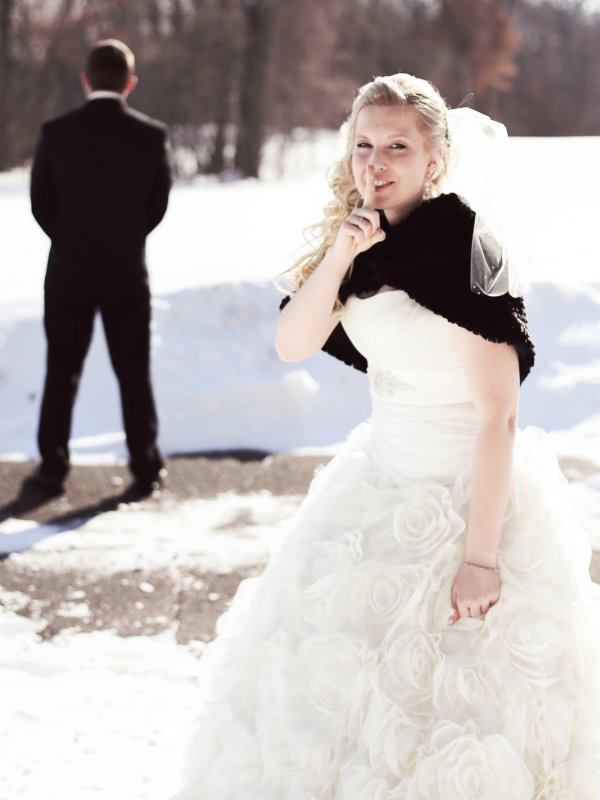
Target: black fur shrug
428 255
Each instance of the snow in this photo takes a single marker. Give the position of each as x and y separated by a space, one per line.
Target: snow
136 536
98 715
94 715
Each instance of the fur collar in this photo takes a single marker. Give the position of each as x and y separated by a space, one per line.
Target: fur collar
428 255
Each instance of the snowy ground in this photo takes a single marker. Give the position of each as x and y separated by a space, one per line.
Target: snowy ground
93 716
107 714
102 716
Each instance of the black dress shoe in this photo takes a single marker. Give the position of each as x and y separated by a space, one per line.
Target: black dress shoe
52 485
144 488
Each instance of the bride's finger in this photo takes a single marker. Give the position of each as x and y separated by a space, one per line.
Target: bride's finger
370 234
378 236
455 616
462 609
362 221
369 196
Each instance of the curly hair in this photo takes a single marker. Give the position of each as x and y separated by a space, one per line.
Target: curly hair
401 89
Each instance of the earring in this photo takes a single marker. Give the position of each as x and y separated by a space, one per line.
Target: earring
428 188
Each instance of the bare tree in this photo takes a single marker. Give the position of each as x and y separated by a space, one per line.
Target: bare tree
258 19
558 89
480 41
6 71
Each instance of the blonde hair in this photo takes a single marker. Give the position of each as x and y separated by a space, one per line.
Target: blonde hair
401 89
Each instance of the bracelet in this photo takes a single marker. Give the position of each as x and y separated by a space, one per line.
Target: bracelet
481 566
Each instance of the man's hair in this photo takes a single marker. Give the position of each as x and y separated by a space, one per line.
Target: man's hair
109 66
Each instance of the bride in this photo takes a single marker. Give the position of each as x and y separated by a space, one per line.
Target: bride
427 629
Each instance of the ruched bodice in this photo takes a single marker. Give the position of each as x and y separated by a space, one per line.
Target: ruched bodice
410 344
424 420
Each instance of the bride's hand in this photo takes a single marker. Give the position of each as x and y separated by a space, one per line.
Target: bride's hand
361 229
473 593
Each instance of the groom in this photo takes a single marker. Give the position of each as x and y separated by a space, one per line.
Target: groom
99 184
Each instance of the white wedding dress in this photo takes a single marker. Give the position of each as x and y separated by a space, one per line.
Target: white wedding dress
337 676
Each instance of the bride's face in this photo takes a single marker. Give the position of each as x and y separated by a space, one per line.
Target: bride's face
390 143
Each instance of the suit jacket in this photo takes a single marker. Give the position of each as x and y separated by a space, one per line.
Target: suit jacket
99 184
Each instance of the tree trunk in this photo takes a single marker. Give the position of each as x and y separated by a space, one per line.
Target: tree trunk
258 24
223 87
217 158
6 7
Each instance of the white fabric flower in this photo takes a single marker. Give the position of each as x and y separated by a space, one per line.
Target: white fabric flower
550 720
226 736
424 520
583 776
405 675
288 760
357 783
322 559
553 785
376 596
471 690
322 565
391 738
375 789
335 673
534 558
463 766
373 594
533 639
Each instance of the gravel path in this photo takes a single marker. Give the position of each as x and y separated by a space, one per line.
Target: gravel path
48 585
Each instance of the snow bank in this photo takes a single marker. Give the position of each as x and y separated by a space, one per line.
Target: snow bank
220 385
218 380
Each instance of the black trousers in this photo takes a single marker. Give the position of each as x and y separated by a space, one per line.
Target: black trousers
69 325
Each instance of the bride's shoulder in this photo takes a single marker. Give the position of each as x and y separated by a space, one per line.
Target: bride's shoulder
446 223
448 214
451 204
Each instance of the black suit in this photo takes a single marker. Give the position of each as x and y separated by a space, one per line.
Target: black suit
99 184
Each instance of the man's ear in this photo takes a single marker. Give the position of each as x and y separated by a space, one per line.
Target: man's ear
130 85
85 83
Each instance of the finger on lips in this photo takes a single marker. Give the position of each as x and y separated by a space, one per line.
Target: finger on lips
370 202
369 198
